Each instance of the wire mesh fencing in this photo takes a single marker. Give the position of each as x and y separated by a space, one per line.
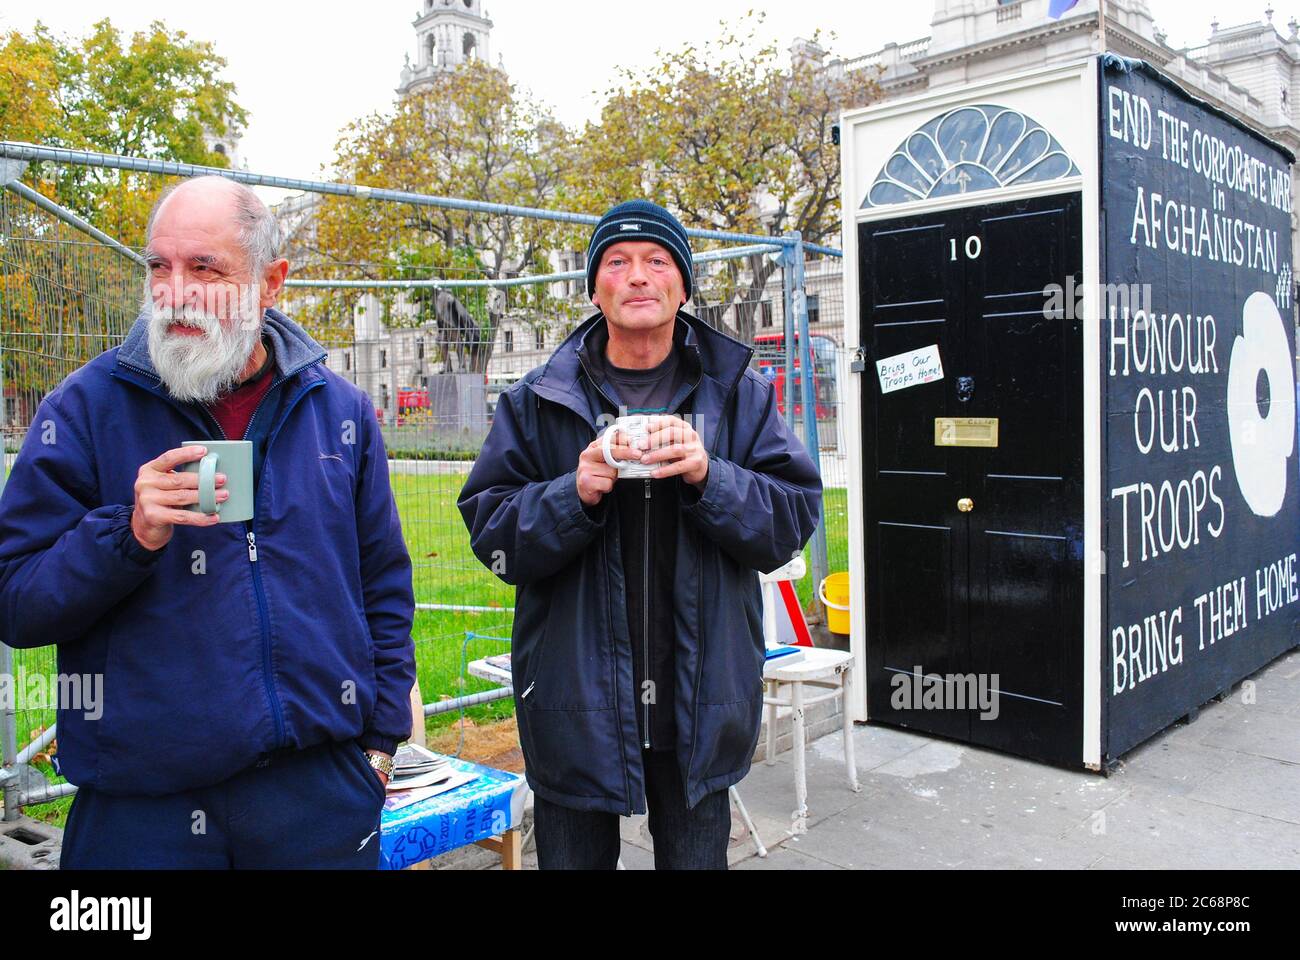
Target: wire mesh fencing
64 299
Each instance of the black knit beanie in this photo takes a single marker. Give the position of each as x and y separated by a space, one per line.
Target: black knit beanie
640 220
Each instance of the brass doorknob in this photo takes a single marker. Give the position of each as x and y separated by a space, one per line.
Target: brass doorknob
965 504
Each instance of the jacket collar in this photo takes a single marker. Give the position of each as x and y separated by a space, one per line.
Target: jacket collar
293 347
721 361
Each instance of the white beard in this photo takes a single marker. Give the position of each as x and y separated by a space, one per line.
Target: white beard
202 368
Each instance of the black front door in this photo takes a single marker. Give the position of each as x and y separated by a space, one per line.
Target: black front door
974 554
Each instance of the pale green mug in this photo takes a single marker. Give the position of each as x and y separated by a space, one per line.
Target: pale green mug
234 458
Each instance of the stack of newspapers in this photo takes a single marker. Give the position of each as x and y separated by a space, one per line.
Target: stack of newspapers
414 766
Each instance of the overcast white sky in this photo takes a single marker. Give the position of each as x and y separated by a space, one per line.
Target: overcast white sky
304 70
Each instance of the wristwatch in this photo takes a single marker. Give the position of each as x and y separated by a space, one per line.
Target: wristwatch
381 763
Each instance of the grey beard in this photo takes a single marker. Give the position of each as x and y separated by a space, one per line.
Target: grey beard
202 368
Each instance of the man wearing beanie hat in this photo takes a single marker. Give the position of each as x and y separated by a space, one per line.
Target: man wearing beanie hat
637 644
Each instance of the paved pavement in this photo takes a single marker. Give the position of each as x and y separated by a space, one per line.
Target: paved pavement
1221 792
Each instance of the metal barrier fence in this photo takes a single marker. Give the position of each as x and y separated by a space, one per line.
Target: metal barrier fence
431 341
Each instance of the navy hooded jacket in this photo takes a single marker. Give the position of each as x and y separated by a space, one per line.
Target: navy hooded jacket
571 655
231 641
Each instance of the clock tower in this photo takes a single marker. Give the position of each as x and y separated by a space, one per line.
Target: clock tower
448 33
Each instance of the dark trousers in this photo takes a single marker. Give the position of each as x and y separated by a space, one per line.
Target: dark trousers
317 807
684 839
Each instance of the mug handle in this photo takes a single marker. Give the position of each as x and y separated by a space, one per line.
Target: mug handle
606 439
208 485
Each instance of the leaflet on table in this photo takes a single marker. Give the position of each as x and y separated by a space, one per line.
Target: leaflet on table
404 798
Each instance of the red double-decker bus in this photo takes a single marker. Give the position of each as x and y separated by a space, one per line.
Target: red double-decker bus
769 354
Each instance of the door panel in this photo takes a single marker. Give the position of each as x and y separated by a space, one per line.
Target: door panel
920 615
910 313
998 590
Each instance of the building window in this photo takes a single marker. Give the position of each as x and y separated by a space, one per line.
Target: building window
383 359
579 260
765 313
419 348
510 341
814 309
541 339
347 360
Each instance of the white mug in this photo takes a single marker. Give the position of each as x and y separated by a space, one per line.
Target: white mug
632 428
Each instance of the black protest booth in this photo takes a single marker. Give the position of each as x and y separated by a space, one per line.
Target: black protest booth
1074 483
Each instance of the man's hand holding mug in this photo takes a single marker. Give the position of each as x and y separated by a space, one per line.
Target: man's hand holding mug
162 493
595 476
656 447
678 448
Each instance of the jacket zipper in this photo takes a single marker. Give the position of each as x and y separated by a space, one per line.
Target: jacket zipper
618 710
645 615
259 591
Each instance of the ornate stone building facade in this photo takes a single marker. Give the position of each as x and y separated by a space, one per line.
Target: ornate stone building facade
447 33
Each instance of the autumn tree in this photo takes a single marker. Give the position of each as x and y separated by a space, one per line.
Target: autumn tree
153 95
29 103
470 134
729 137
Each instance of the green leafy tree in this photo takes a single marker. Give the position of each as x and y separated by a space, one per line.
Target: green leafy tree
151 95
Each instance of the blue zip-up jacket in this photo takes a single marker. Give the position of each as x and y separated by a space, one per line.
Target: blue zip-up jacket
231 641
571 655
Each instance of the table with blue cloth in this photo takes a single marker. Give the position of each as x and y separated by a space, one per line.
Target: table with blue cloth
486 811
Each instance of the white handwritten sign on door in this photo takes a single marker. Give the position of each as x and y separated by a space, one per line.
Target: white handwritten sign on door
910 369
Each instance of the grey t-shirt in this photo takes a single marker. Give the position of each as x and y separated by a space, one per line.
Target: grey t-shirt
650 390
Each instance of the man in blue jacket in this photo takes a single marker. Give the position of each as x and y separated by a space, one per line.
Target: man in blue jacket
256 676
637 645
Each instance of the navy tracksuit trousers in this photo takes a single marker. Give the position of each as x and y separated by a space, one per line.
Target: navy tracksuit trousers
317 807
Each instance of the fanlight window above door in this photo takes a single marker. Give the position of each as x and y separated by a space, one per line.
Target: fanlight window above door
972 148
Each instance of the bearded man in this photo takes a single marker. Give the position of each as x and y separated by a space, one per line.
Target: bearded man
256 675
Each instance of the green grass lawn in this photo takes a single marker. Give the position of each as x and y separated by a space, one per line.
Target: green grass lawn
445 572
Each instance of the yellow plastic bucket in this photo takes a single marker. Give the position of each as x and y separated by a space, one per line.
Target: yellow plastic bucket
834 592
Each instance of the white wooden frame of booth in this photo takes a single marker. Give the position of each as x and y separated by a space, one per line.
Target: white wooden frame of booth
1064 101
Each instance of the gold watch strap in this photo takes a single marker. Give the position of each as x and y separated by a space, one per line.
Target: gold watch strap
381 763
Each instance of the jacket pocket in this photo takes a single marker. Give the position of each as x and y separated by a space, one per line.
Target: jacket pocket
728 734
532 666
577 753
569 666
361 762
